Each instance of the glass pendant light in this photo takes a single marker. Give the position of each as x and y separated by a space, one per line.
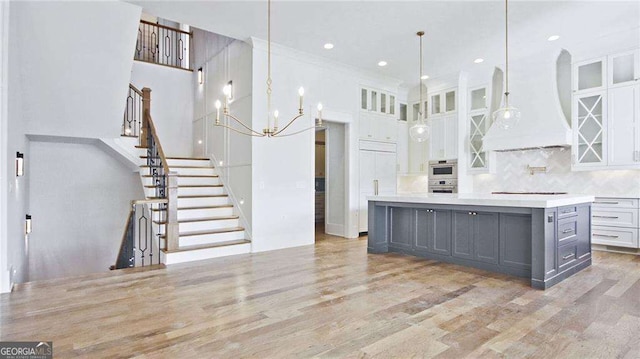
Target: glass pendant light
507 116
420 131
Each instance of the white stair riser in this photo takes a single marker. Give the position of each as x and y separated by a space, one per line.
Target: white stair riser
203 171
184 181
199 163
202 201
206 253
210 238
207 225
204 213
150 192
199 191
202 225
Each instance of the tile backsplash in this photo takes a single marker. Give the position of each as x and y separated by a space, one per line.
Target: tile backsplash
512 175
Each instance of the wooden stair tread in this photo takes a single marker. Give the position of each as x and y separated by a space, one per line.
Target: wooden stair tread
204 219
205 196
129 136
197 207
170 167
183 158
205 246
193 186
208 231
145 147
179 175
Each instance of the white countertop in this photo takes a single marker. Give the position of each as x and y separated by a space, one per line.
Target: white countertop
477 199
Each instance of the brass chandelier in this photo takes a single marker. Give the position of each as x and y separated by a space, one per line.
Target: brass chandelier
272 129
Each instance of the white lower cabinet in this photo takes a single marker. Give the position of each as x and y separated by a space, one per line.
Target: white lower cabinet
615 222
377 175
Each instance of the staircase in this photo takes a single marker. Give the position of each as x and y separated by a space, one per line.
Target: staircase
208 227
193 217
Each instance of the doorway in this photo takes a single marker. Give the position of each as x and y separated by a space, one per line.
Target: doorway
330 180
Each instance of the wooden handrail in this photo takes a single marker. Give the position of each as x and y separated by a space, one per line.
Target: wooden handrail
135 89
167 27
165 166
149 201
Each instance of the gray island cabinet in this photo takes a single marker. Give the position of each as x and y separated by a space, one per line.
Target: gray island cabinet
544 238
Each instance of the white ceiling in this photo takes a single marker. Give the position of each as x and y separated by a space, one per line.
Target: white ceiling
365 32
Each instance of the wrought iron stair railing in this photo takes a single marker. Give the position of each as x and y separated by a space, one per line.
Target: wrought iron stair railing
163 45
164 184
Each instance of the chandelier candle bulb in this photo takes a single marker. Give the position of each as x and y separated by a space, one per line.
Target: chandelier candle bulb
218 104
319 114
301 93
275 120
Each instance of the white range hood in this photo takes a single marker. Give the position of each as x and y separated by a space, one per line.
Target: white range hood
534 90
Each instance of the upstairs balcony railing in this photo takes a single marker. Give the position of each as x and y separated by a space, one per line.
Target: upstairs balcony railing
163 45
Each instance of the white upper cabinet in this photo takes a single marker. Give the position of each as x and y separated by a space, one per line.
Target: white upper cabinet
623 68
589 130
623 129
590 75
377 115
478 99
443 144
478 125
606 112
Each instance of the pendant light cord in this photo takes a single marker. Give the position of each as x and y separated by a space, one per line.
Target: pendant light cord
269 64
423 112
506 51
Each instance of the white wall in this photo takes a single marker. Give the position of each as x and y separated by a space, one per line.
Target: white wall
172 103
283 168
5 160
222 60
80 200
74 62
68 68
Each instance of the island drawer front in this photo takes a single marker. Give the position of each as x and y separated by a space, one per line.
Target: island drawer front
610 202
621 237
567 255
567 230
567 211
624 217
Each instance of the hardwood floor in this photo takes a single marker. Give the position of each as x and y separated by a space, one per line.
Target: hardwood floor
330 300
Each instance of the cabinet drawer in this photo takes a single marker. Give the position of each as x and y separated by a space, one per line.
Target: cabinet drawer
625 217
621 237
567 230
610 202
567 211
567 255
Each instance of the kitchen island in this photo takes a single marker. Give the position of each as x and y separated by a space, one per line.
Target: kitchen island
546 238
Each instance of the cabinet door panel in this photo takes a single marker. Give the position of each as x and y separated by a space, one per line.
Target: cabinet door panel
462 235
442 232
400 231
451 137
485 236
385 171
590 130
424 230
515 240
437 140
622 132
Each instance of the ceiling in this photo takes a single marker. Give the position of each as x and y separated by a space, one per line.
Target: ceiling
365 32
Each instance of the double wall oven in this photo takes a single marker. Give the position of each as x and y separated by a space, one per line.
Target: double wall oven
443 176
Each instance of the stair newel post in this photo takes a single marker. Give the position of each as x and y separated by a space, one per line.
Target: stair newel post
146 111
172 211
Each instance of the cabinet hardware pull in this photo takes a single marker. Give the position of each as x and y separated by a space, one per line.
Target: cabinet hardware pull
604 235
470 213
567 231
602 202
568 256
610 217
375 187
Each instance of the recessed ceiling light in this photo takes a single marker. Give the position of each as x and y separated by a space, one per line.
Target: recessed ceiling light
478 60
328 46
424 77
553 38
382 63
